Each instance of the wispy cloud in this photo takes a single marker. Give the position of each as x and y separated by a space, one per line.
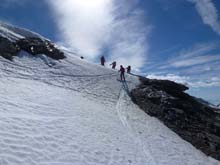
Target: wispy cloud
208 13
205 70
172 77
212 82
188 80
197 55
92 27
195 61
198 66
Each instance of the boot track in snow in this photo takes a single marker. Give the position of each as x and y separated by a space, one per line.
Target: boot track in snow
121 111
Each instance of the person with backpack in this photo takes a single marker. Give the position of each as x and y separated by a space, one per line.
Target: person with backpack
122 71
102 60
128 69
113 65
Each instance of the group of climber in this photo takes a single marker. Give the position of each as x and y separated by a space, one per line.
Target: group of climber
113 64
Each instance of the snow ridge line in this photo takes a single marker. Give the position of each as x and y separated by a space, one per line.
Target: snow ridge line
125 122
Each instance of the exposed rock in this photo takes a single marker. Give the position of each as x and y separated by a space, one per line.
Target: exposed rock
34 46
194 121
8 49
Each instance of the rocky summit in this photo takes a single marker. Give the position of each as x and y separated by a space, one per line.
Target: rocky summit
193 120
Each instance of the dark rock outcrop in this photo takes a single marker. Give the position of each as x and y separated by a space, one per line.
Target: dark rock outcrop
194 121
36 46
8 49
33 46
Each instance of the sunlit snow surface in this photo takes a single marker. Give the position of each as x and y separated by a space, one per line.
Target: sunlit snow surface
78 113
71 112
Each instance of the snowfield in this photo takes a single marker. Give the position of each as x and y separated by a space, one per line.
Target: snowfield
71 112
78 113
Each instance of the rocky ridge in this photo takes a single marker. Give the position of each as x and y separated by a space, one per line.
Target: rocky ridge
194 121
32 45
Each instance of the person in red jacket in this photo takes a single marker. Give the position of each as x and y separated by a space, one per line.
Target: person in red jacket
102 60
122 75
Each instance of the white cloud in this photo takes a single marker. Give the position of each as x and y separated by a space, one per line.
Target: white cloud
197 55
208 13
205 71
90 27
198 66
172 77
198 49
129 40
195 61
209 83
187 80
84 25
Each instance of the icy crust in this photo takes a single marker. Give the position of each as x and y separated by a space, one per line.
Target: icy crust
74 112
14 33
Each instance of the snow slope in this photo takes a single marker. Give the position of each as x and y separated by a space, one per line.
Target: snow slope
14 33
77 113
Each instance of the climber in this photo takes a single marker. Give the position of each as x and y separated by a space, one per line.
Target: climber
122 75
113 64
102 60
128 69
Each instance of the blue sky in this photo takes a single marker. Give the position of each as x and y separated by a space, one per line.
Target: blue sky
168 39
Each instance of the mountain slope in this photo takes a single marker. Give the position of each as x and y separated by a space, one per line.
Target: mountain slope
74 112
